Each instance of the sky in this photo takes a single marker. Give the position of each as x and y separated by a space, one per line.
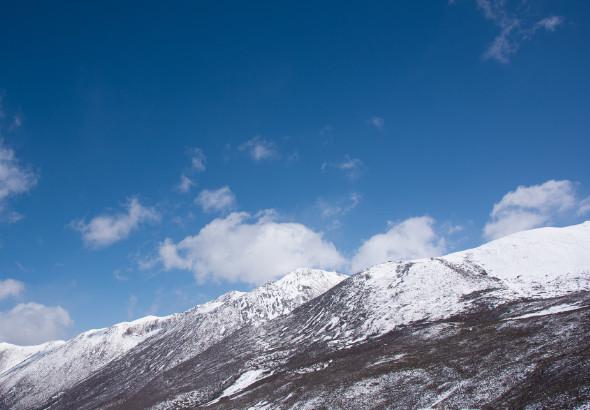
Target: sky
154 156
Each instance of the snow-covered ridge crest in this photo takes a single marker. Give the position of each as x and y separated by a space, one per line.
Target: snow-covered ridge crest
62 364
182 335
11 355
539 262
536 264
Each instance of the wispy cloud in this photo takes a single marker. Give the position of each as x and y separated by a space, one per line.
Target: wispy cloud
222 199
351 167
185 184
198 159
121 275
550 23
333 211
15 179
9 122
515 27
259 149
198 164
104 230
377 122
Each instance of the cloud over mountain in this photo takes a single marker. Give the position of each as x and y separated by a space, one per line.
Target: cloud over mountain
33 323
251 249
533 206
410 239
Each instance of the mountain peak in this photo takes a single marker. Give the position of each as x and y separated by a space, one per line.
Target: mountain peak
169 340
316 278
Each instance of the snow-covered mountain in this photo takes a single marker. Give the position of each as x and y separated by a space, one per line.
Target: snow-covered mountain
541 263
11 355
60 365
502 325
183 335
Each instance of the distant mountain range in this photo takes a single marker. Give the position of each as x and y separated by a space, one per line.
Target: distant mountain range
504 325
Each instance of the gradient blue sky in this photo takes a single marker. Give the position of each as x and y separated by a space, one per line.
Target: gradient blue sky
344 118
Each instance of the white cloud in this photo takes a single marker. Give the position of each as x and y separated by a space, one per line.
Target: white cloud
104 230
532 206
185 184
11 287
409 239
514 27
198 159
14 178
259 148
251 250
222 199
33 323
377 122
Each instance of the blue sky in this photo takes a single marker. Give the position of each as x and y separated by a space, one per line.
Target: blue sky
155 156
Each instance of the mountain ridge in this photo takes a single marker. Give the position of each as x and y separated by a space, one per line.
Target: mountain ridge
505 288
84 354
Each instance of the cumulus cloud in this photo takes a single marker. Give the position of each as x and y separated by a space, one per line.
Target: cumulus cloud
198 159
104 230
515 27
11 287
259 148
249 249
409 239
33 323
532 206
15 179
377 122
185 184
219 200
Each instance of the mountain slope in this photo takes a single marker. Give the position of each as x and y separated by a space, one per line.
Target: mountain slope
161 342
472 319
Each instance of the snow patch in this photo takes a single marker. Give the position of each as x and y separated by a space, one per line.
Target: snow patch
565 307
246 379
